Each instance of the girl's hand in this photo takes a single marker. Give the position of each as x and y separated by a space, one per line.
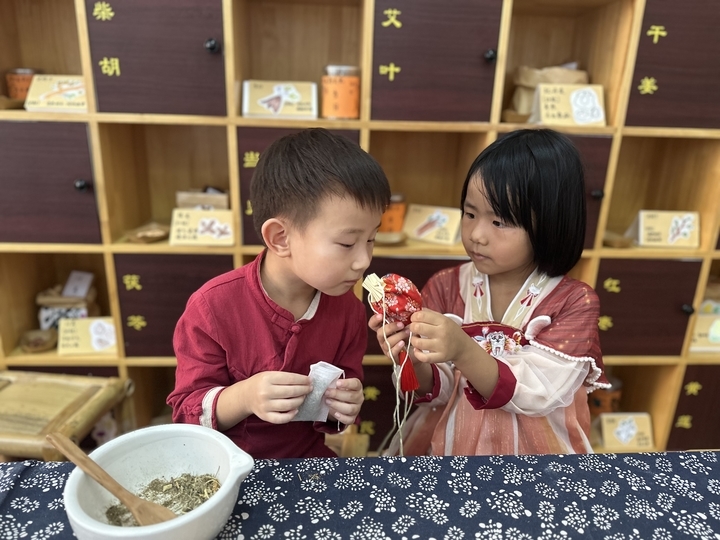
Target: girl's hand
345 400
396 333
437 338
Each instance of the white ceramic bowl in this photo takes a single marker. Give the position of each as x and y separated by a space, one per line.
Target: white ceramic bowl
138 457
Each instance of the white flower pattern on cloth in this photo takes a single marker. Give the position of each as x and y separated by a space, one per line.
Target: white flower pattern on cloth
654 496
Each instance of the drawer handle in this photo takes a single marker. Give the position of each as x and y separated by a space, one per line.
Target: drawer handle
490 56
82 185
597 193
212 45
687 308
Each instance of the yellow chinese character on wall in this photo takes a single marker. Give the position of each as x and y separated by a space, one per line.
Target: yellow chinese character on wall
392 18
390 70
250 159
612 285
371 393
648 85
132 281
684 421
103 11
367 427
656 32
110 66
693 388
248 208
137 322
605 322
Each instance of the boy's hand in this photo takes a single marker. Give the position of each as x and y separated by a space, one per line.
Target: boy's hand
437 338
396 333
274 396
345 400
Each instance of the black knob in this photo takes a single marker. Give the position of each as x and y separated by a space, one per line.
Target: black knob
597 193
490 55
687 308
81 185
212 45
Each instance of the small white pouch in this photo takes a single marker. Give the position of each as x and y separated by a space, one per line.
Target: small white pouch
314 408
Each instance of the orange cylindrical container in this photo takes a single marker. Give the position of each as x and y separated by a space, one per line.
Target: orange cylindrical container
18 82
341 92
393 218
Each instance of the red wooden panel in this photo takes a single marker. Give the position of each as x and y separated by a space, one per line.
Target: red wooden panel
440 49
684 64
164 65
39 166
251 143
416 270
595 153
647 313
697 416
166 282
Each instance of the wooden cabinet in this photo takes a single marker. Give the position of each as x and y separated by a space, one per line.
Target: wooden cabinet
645 305
164 116
153 291
696 420
676 74
47 184
158 57
434 61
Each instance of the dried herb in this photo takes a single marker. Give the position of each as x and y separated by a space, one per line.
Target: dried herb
181 494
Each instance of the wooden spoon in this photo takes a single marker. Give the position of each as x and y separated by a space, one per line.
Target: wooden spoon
144 512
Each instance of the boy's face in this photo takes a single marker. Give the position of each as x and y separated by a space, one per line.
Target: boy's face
335 248
495 248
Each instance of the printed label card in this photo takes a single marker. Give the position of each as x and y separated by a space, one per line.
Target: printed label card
664 228
192 227
568 105
706 335
56 93
92 335
437 224
626 432
280 99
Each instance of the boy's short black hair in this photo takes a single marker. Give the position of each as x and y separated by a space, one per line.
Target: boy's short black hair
534 179
298 171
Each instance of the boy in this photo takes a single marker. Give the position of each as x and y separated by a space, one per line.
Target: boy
247 339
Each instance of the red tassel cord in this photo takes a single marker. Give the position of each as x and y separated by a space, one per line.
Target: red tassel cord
408 377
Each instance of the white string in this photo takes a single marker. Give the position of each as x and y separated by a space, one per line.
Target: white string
376 294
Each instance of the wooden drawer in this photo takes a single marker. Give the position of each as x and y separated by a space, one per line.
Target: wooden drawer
676 80
439 51
46 184
416 270
595 153
153 291
697 417
153 57
251 143
644 305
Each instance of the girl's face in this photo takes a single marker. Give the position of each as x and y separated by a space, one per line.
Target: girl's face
496 249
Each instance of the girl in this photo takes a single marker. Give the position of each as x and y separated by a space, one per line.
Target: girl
506 345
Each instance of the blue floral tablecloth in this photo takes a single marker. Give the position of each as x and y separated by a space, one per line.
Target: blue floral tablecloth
658 496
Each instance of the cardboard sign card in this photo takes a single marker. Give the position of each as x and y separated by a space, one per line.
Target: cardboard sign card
280 99
56 93
568 105
93 335
78 284
706 335
191 227
437 224
626 432
663 228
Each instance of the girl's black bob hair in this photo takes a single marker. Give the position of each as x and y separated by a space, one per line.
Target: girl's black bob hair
534 179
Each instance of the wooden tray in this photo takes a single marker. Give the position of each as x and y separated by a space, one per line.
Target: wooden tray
34 404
